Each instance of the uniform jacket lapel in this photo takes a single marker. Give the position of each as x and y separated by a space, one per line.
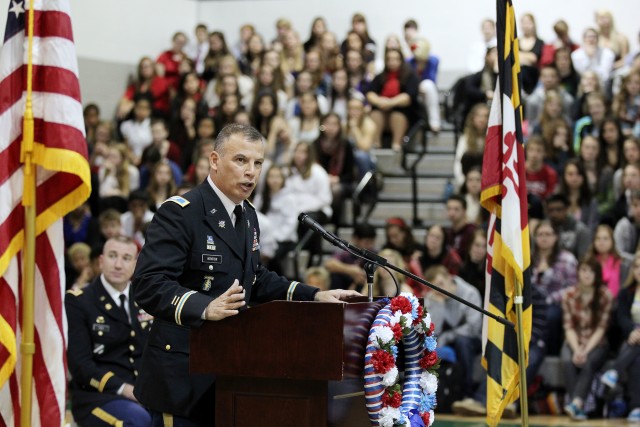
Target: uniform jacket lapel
107 304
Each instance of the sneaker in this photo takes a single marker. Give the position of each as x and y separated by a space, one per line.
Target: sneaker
576 414
510 412
610 378
468 407
634 416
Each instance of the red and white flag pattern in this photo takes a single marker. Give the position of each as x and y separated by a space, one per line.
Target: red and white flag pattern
63 182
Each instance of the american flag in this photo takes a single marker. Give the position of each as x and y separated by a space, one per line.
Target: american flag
63 182
504 194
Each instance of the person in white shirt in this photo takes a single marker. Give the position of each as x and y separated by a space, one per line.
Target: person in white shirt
591 57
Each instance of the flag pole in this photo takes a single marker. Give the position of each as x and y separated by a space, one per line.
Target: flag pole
524 401
27 346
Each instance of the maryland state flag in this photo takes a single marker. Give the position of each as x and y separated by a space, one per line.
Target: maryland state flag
504 194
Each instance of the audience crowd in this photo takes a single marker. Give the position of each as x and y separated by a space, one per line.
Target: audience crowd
323 102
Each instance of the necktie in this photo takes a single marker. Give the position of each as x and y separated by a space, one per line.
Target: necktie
123 306
239 226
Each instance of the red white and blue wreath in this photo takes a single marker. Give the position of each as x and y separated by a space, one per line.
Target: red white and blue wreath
390 403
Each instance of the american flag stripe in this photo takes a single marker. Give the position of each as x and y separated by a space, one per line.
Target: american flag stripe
63 181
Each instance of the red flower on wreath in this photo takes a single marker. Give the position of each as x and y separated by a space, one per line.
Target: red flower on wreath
431 328
382 361
426 418
402 304
428 360
397 332
392 399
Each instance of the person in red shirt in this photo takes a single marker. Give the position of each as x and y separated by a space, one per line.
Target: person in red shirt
169 61
542 179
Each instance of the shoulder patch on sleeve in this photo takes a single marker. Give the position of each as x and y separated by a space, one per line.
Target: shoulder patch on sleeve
75 292
178 201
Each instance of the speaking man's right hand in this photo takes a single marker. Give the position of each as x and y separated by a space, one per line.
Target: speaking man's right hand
227 304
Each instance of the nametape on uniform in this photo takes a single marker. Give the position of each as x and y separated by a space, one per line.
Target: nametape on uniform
100 327
181 201
211 259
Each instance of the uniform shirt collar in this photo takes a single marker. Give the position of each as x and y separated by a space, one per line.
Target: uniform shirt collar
113 292
228 204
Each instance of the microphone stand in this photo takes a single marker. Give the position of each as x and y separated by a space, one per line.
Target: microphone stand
375 259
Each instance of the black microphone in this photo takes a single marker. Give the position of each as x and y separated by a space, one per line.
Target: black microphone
315 226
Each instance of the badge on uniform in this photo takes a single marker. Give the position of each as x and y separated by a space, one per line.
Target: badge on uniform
100 319
206 286
143 316
211 246
98 348
221 224
255 245
214 210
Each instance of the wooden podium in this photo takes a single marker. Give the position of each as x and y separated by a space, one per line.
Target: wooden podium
288 364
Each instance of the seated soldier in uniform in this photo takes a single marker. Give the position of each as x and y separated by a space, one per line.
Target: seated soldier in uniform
107 332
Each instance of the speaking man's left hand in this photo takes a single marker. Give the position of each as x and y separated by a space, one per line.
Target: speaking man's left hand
335 295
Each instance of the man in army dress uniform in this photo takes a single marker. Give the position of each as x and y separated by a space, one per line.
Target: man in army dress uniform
107 332
201 261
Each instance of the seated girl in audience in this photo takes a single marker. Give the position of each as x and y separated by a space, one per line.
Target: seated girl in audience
611 140
339 94
552 270
318 28
278 204
628 358
310 186
292 54
470 147
609 37
228 66
137 130
229 106
228 86
104 138
200 171
590 124
589 83
330 51
599 175
359 27
615 269
250 61
148 83
630 154
541 178
586 307
569 77
471 191
359 76
474 267
283 78
274 128
399 237
267 80
558 144
306 127
551 111
335 155
583 206
162 184
626 105
217 49
393 96
437 253
117 178
313 64
361 130
190 87
168 62
183 131
304 84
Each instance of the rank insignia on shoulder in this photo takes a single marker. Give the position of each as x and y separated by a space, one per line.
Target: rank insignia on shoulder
75 292
206 286
181 201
